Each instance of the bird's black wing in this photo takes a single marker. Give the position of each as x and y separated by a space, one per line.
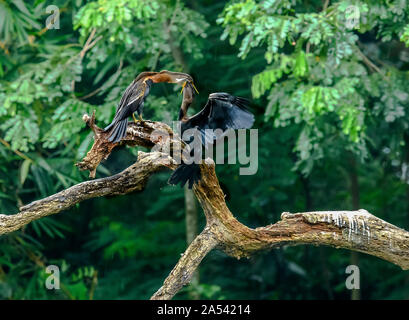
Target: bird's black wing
130 101
222 111
226 112
123 103
199 119
231 113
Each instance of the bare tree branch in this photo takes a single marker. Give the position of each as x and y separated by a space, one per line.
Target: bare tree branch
133 178
352 230
183 271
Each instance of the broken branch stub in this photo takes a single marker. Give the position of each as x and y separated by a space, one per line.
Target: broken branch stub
143 133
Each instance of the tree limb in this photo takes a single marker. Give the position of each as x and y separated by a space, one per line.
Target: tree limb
352 230
183 271
133 178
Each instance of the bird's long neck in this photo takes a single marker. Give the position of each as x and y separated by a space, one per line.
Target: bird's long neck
186 102
171 77
145 75
161 77
183 110
156 77
183 115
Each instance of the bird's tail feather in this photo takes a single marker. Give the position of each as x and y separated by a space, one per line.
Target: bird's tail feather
117 130
109 126
185 173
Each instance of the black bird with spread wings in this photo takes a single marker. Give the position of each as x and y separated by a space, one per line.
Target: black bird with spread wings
134 97
222 111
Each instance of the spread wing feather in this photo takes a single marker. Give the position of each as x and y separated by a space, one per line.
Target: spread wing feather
222 112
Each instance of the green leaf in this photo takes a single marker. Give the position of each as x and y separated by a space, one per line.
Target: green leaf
24 168
301 65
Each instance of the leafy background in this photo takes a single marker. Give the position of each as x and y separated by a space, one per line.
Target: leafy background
328 82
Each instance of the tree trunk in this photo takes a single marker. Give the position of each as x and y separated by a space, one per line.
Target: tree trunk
191 232
325 273
190 199
354 190
405 177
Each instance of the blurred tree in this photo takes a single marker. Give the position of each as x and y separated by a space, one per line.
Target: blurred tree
318 75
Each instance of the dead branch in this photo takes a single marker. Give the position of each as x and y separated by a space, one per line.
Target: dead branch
183 271
132 179
352 230
145 134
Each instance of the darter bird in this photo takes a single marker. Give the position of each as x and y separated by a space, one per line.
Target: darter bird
222 111
134 97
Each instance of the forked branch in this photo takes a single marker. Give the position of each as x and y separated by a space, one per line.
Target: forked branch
352 230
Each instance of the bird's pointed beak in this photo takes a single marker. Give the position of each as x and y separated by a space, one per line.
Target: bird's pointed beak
194 87
183 87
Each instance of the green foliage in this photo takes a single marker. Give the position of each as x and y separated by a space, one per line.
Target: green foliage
320 68
149 28
114 19
17 20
